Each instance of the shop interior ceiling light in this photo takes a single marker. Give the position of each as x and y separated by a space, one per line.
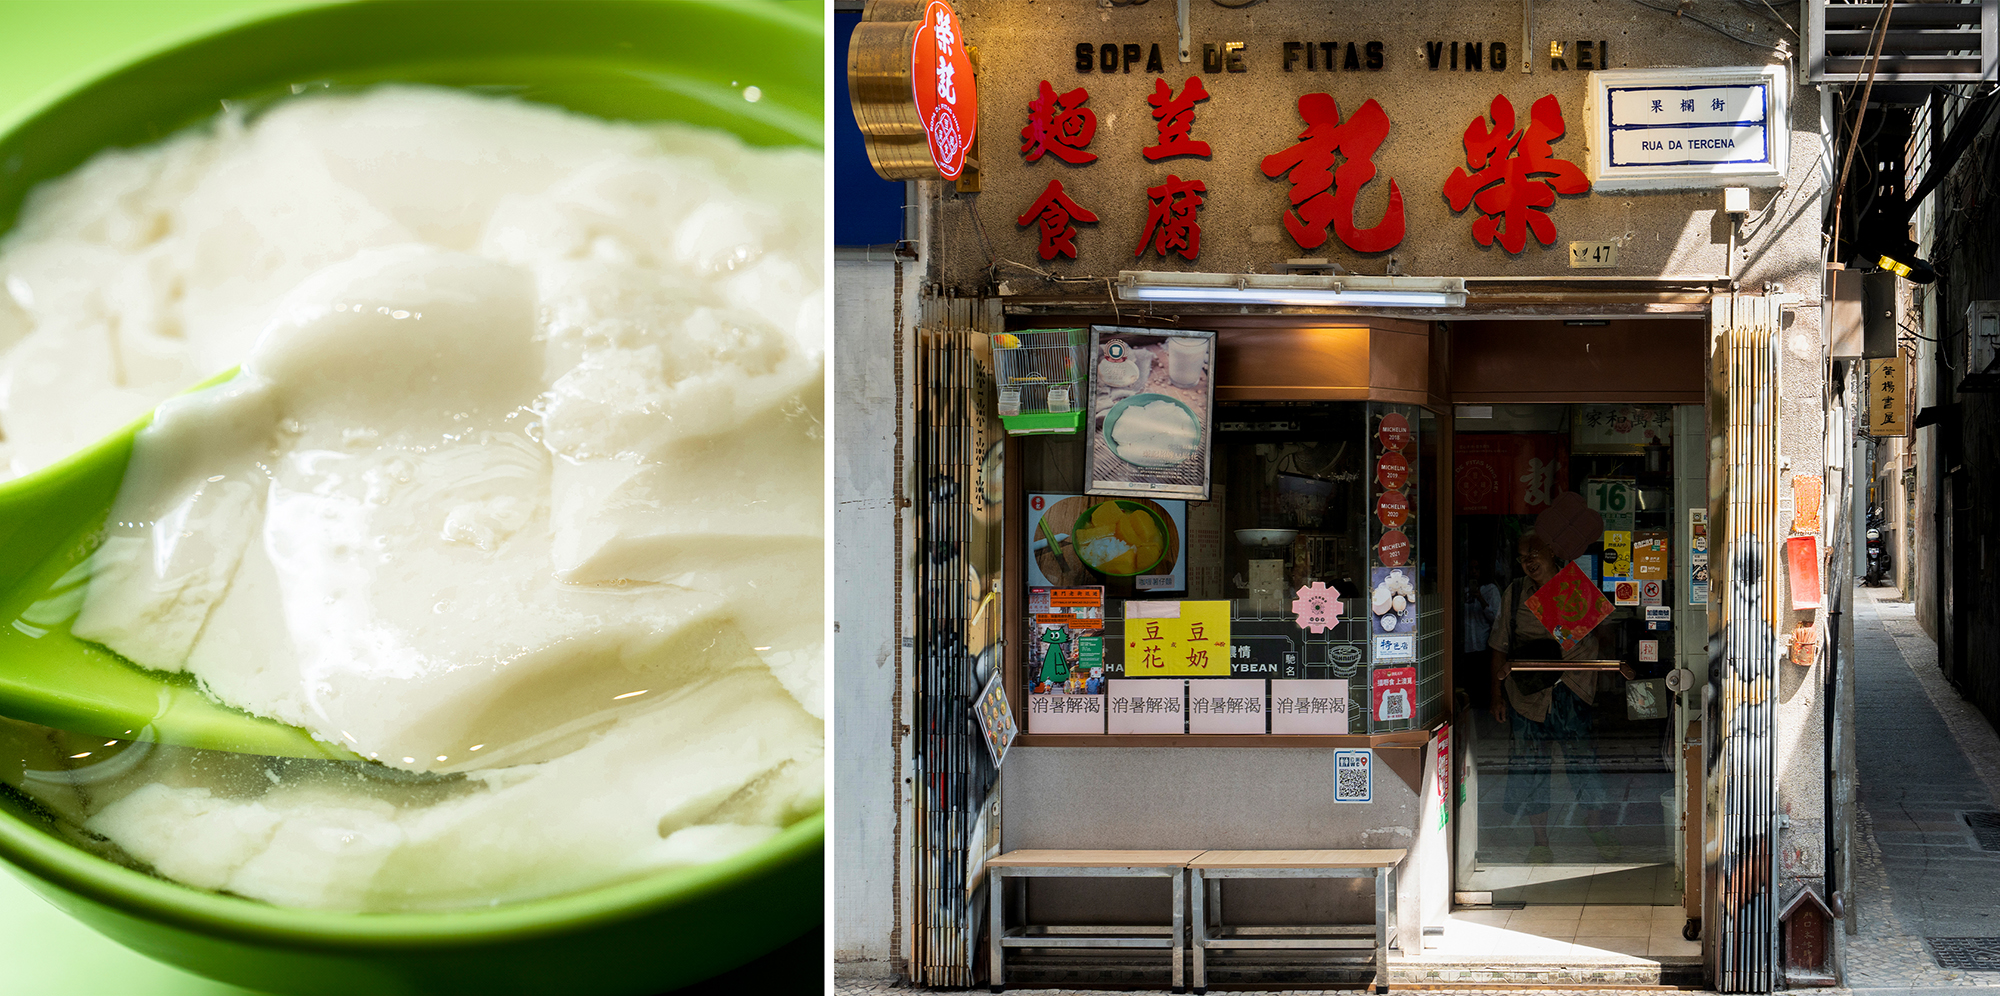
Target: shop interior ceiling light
1292 289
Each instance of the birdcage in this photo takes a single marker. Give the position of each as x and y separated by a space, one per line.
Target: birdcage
1040 377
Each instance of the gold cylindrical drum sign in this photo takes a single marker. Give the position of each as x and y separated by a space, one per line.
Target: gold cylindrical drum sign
909 76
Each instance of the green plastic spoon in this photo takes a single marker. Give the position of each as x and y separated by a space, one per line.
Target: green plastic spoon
50 522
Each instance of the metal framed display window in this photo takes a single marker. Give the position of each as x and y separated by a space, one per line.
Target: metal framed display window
1298 498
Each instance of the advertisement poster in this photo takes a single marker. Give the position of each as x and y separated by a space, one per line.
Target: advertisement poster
1127 545
1065 665
996 719
1353 775
1392 600
1145 705
1617 556
1308 705
1395 694
1226 705
1152 392
1507 474
1697 588
1649 555
1177 639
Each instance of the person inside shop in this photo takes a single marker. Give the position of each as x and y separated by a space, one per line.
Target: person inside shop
1550 709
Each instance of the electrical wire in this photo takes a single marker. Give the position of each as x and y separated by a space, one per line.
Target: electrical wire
1681 12
1766 4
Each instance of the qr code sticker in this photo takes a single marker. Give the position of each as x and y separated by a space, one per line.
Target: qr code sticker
1351 776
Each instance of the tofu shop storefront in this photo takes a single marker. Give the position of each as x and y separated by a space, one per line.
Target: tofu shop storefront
1368 426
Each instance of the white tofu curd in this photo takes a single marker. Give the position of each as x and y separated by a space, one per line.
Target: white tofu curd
520 479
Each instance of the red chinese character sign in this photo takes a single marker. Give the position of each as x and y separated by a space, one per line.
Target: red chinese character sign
941 83
1171 225
1059 125
1054 211
1173 117
1515 175
1323 195
1569 606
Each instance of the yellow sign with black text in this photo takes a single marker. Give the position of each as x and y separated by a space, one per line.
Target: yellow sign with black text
1888 394
1177 639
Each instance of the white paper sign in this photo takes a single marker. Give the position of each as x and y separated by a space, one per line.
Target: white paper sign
1308 705
1145 705
1065 713
1225 705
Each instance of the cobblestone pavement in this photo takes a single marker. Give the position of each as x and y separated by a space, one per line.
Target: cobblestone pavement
1923 757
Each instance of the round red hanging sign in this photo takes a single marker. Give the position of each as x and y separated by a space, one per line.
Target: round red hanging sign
1392 471
1393 508
941 82
1394 433
1394 549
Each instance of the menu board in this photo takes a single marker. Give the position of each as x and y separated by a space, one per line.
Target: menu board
1152 394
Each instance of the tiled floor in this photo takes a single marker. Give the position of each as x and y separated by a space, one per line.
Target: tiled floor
1626 883
1571 933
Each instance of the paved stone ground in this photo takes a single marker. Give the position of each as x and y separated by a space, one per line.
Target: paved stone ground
1924 756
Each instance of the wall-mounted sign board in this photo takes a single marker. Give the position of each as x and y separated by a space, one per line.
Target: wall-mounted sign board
1656 129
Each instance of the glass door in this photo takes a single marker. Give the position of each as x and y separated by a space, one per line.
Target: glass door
1570 570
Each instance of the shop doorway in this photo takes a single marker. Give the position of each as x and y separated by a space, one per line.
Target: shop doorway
1576 563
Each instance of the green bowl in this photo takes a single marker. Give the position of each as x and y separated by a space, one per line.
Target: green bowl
643 61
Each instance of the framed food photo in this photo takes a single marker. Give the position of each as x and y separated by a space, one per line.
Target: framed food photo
1152 392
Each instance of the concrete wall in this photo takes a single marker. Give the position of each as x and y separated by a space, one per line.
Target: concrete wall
865 619
1144 797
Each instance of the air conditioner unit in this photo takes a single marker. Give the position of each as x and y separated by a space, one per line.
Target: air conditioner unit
1982 347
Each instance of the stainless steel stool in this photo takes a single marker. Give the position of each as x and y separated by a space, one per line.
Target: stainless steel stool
1088 864
1213 866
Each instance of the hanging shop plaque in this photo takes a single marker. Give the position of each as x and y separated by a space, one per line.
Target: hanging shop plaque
1152 392
1888 410
1168 639
1309 705
1226 705
1392 471
910 80
1145 705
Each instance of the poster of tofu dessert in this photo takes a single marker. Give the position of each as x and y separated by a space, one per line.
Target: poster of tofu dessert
1151 395
1126 545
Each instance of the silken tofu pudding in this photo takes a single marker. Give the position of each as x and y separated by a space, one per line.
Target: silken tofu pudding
518 493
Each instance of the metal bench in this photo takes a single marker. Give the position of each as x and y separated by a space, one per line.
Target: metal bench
1089 864
1210 867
